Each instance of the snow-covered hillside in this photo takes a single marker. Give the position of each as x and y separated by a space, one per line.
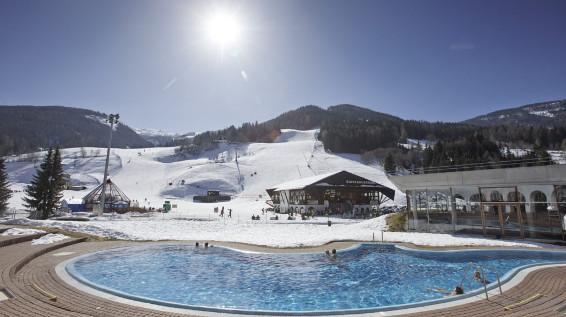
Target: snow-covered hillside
558 157
551 113
159 137
153 175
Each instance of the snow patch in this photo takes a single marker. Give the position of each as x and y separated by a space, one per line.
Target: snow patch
417 144
290 135
265 232
101 120
49 239
302 182
376 224
153 132
21 232
542 113
559 157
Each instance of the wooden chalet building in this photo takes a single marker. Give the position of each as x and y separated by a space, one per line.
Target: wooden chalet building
334 193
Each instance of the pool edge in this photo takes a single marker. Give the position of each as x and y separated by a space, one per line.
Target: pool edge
509 280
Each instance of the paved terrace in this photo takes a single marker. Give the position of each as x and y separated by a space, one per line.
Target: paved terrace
28 272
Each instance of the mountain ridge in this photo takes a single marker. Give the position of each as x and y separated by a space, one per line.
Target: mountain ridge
158 137
26 128
546 113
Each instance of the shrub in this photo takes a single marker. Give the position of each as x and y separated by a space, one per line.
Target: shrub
397 221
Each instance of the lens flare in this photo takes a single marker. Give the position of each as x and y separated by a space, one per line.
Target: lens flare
223 28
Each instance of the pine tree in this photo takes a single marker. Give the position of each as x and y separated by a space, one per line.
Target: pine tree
427 157
56 182
5 192
37 192
389 164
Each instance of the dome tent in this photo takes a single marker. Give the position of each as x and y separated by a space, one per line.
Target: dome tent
115 199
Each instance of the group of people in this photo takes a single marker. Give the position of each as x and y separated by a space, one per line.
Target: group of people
459 289
331 254
222 212
205 245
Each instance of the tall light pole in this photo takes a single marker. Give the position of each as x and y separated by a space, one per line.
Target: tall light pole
112 119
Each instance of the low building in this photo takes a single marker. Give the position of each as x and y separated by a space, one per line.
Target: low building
73 204
518 201
341 193
212 196
114 199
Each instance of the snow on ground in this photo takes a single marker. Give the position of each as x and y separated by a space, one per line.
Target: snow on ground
154 132
542 113
102 120
49 238
417 144
559 157
269 233
21 232
153 175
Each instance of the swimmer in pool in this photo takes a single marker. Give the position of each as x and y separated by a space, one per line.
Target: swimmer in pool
479 278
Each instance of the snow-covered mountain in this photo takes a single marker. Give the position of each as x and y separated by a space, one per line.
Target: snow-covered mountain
549 113
27 128
152 175
159 137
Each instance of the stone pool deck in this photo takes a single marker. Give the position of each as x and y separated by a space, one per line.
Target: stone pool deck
31 286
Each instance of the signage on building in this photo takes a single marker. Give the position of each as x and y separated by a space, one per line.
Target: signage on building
359 182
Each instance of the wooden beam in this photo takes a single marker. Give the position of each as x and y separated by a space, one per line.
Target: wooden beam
482 214
519 212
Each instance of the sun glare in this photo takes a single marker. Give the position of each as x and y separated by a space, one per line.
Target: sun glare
223 28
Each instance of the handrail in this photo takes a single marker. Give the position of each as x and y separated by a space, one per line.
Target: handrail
483 279
484 282
494 162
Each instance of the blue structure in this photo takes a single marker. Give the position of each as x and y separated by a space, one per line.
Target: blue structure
73 205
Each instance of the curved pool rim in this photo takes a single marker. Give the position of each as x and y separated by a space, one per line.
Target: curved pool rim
508 277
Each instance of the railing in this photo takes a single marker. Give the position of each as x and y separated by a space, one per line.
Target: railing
479 275
475 166
481 278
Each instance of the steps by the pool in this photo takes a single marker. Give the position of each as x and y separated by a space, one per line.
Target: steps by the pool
9 240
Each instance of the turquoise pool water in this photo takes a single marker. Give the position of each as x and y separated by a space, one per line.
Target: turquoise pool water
367 278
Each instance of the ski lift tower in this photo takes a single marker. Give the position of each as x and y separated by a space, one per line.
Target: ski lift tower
112 119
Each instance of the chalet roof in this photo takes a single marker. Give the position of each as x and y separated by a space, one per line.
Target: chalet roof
302 182
335 180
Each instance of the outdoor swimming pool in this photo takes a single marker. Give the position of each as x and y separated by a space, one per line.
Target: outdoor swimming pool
366 278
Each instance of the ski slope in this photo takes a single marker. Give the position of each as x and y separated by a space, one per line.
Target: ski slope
154 175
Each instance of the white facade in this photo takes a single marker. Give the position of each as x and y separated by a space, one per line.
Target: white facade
495 195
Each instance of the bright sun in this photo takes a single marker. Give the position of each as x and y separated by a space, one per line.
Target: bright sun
223 28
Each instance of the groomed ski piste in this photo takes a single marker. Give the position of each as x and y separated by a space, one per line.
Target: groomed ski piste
152 175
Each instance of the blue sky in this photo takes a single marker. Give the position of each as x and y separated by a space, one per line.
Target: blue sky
152 62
